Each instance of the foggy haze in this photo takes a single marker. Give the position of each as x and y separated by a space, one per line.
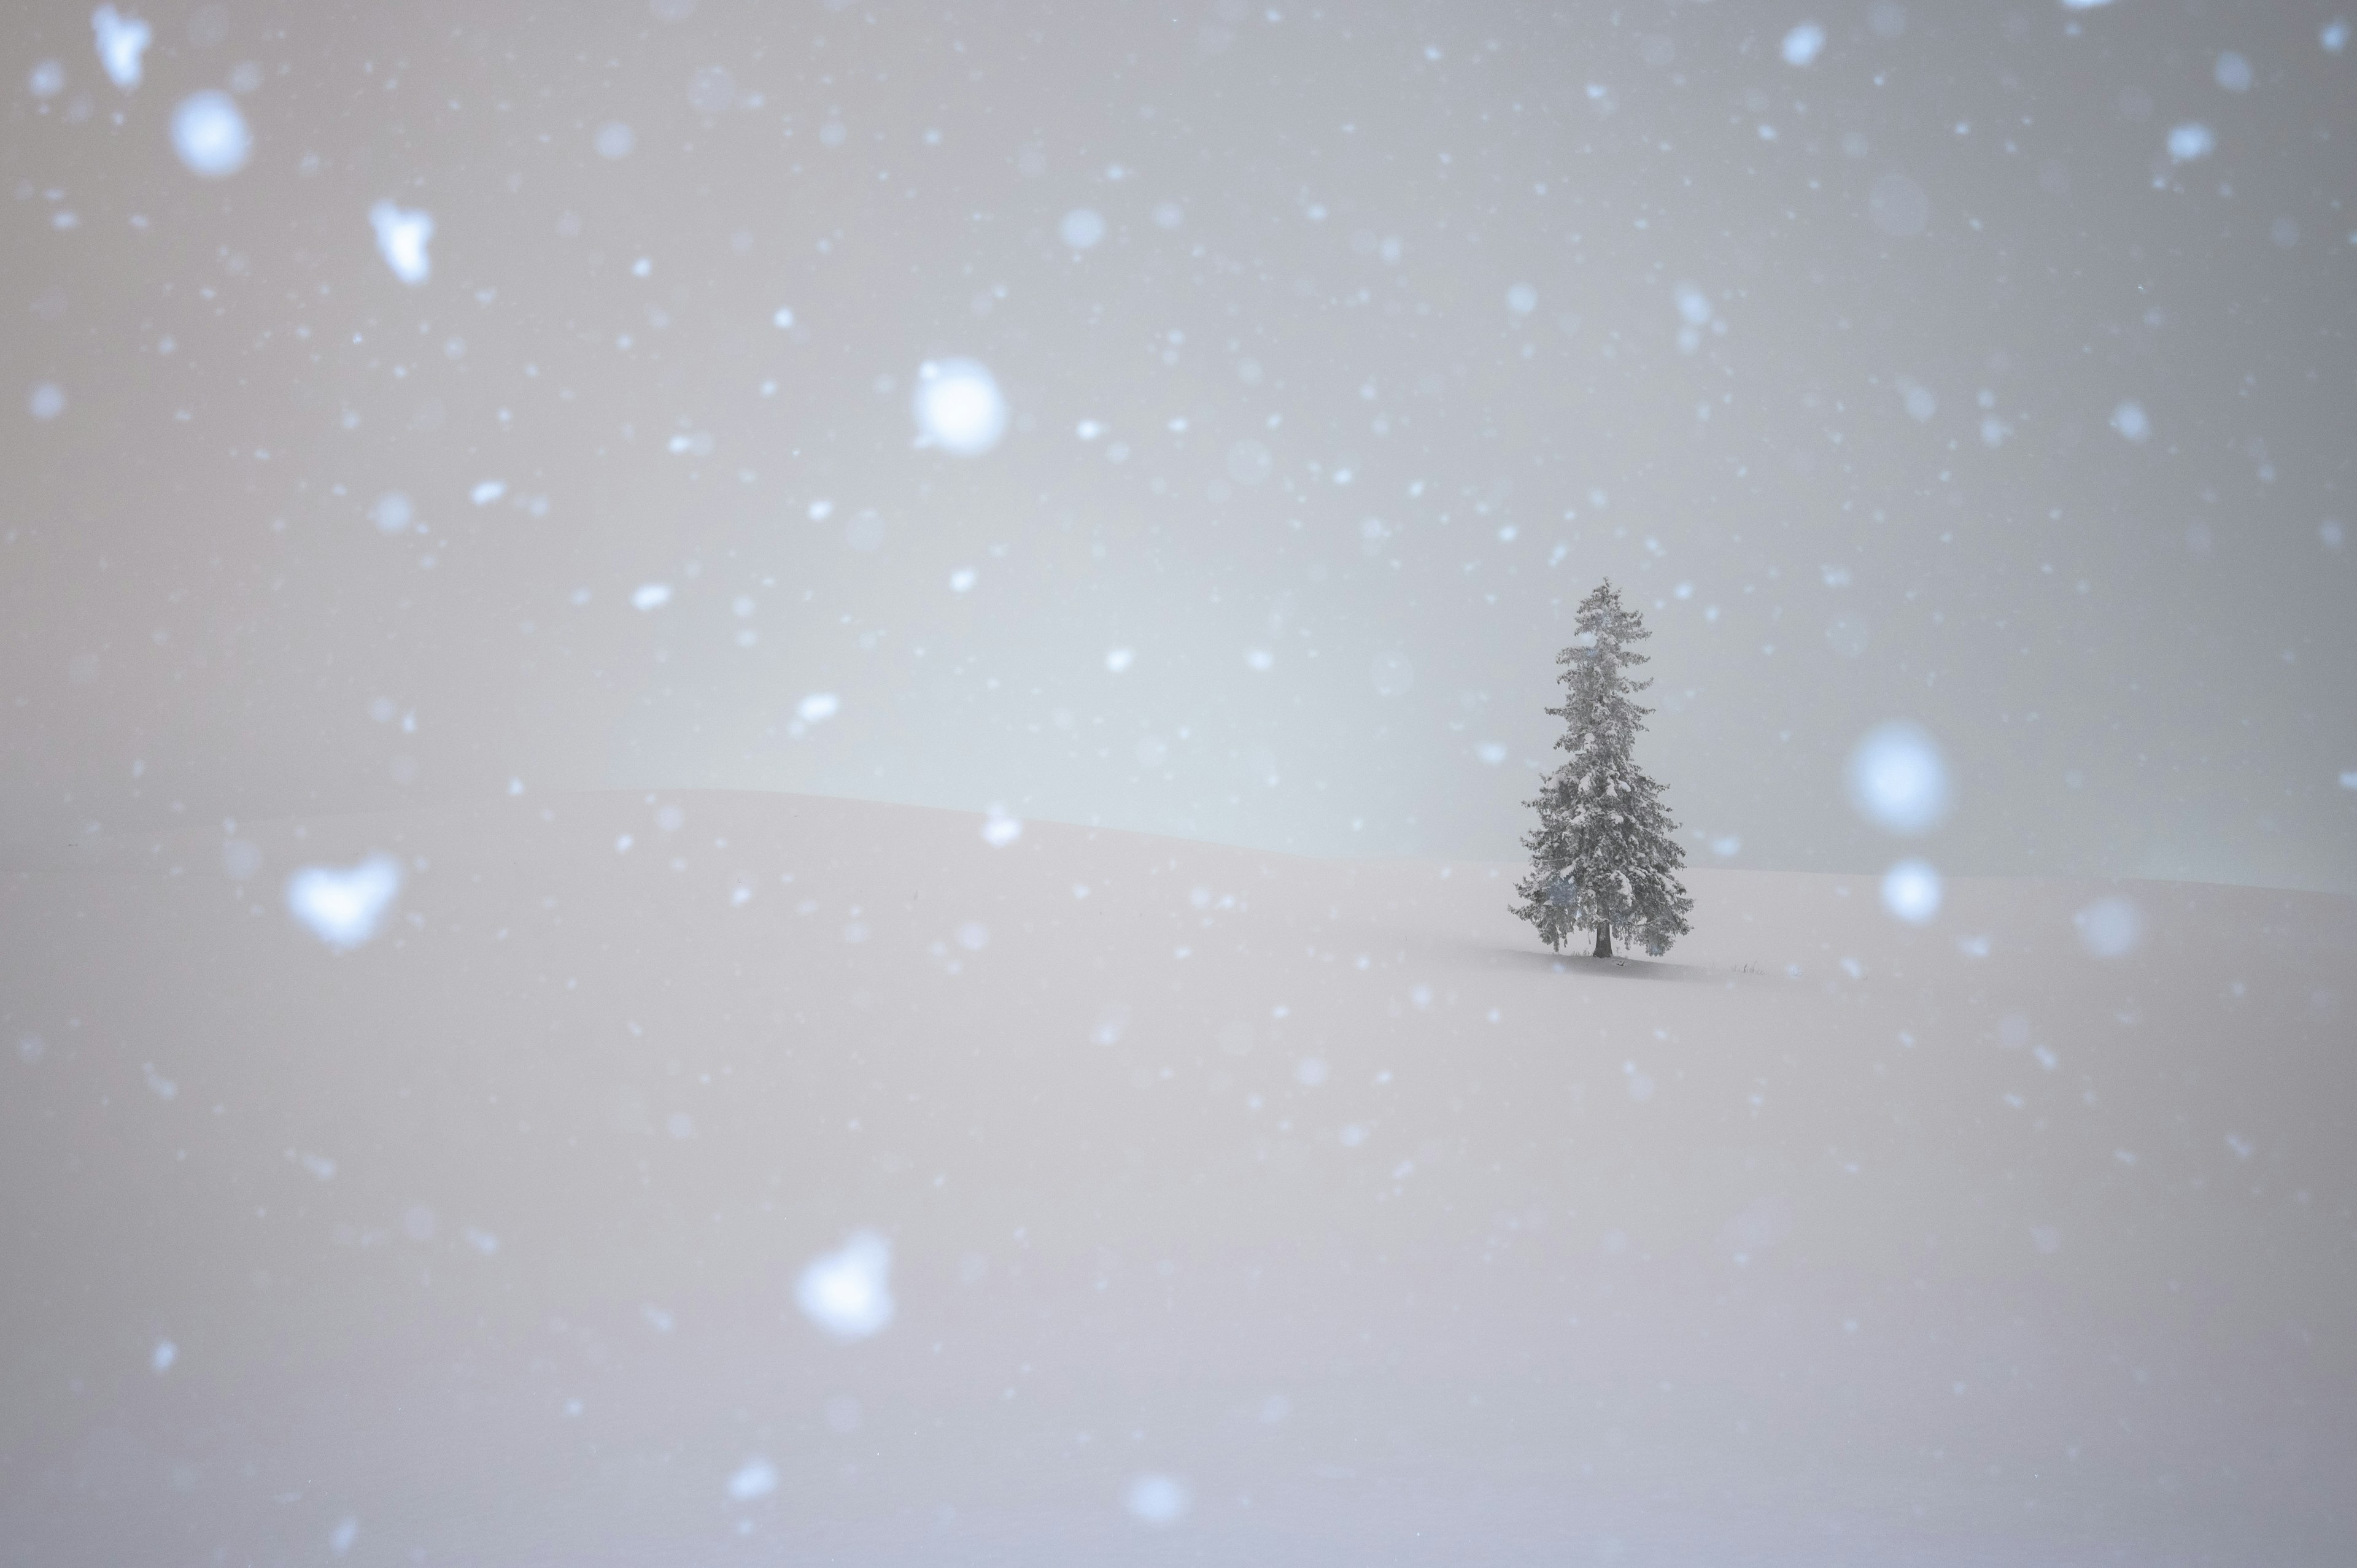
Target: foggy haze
1983 371
764 773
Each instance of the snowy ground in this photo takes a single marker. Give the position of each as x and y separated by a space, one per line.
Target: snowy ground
1239 1209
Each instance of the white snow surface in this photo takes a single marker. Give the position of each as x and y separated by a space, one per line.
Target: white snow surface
1819 1220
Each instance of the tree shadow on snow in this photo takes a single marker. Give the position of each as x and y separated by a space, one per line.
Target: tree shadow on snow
1621 967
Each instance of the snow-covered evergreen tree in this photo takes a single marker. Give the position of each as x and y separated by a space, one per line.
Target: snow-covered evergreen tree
1605 853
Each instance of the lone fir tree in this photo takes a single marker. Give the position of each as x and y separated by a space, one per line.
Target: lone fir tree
1605 853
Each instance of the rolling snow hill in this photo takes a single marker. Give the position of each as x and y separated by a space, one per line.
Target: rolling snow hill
714 1178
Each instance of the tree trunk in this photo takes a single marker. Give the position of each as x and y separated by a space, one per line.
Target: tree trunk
1604 940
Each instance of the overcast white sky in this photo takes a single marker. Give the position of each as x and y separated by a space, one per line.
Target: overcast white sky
1984 368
